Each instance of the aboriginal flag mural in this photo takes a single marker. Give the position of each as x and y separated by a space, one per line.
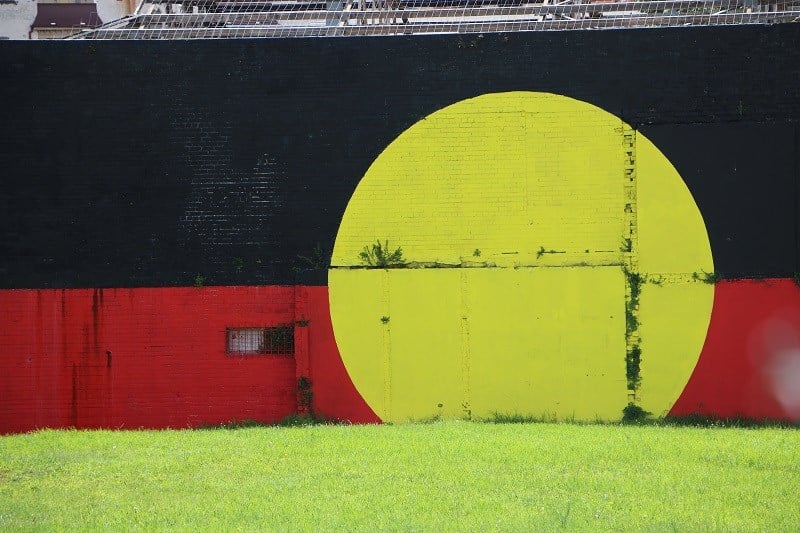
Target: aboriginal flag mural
394 229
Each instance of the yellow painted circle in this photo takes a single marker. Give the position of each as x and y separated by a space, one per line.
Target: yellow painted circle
512 211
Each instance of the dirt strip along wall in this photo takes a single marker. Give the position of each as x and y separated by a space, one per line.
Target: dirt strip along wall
588 220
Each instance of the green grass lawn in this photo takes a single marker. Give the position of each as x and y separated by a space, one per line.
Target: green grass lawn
433 477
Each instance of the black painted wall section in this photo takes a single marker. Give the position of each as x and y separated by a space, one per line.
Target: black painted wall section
147 163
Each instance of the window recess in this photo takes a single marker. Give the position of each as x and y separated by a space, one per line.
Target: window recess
278 340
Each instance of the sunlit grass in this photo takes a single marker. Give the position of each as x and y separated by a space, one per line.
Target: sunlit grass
432 477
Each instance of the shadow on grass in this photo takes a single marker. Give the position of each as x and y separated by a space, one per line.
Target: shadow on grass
287 422
636 416
697 420
631 417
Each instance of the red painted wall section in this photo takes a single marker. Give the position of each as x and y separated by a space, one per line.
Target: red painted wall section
335 396
750 364
155 358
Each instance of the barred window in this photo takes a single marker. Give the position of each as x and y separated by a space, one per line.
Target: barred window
260 341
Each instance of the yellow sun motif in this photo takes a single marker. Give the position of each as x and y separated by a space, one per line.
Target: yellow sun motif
518 215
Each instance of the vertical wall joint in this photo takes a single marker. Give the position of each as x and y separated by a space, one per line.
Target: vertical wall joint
630 261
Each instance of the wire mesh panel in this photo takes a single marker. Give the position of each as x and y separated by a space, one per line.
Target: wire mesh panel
222 19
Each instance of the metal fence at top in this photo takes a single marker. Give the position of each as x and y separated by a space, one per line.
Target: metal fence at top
225 19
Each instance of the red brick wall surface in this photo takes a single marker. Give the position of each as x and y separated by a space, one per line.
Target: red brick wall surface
750 364
154 358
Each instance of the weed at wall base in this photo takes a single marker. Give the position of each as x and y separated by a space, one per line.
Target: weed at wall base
633 414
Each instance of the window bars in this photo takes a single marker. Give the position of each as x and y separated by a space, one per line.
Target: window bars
277 340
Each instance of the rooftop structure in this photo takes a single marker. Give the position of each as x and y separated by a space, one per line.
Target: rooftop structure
54 21
223 19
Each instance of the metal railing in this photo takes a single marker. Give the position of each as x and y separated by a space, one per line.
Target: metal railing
208 19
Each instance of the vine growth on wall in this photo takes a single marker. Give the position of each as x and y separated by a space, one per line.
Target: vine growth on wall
633 354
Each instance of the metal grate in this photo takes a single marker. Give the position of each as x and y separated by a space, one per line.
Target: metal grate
224 19
260 341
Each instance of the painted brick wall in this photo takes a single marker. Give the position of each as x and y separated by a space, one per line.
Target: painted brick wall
161 163
130 358
140 358
176 158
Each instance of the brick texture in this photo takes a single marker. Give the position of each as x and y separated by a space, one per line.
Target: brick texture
133 170
153 162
